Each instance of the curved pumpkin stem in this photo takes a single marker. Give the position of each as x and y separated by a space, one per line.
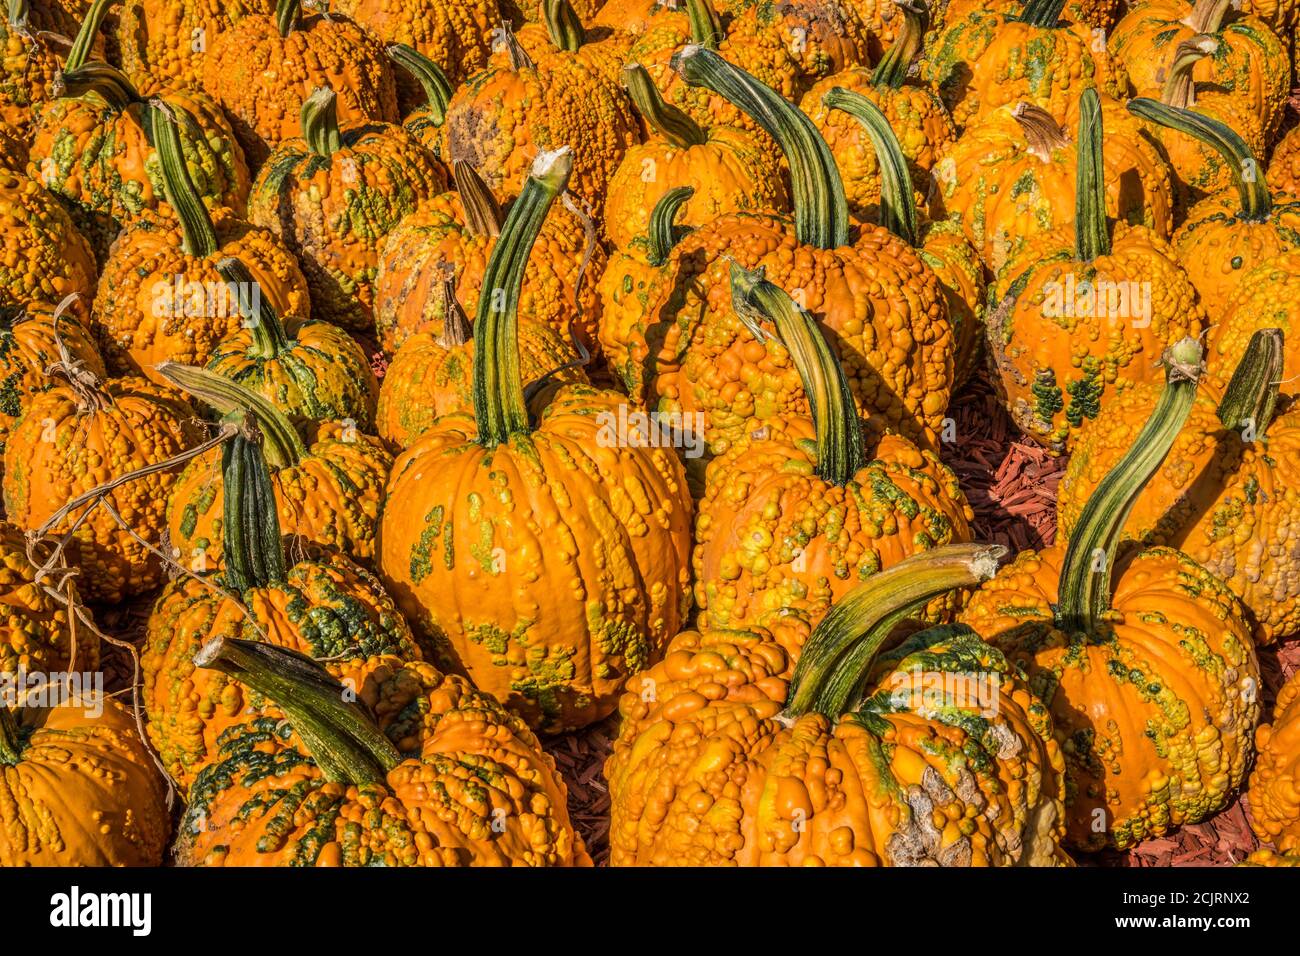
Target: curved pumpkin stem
320 122
891 71
250 526
821 212
1045 14
108 83
1206 16
434 82
840 452
1251 396
343 739
456 330
1043 134
283 445
269 336
563 25
11 749
483 216
836 660
667 120
897 202
85 38
663 234
1085 584
518 56
1180 89
1247 171
198 235
499 405
288 14
1091 233
706 25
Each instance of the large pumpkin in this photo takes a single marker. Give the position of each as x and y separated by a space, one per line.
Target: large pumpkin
548 562
48 259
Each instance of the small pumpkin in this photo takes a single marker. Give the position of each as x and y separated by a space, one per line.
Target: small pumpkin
1146 663
332 196
38 635
1273 797
47 258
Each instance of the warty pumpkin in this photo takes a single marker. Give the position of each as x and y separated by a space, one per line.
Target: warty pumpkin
1227 234
47 259
416 768
317 602
1284 165
317 373
1226 493
161 296
797 515
37 632
328 477
1085 312
1266 297
162 43
863 756
806 40
633 17
1146 663
561 27
78 787
28 70
548 562
332 196
1099 15
263 67
84 433
1273 795
14 147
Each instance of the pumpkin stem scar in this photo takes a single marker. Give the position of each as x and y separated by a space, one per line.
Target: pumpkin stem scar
1252 394
897 202
433 81
891 71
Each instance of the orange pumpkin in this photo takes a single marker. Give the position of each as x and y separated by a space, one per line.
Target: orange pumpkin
1273 797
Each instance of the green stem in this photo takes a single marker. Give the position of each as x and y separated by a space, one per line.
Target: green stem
840 451
499 404
284 447
434 82
106 82
198 235
250 525
1180 88
563 25
663 234
320 122
287 15
11 750
706 25
897 201
1207 16
1085 583
85 38
667 120
891 71
820 210
1091 235
1045 14
1247 171
836 660
269 336
1251 396
483 216
340 735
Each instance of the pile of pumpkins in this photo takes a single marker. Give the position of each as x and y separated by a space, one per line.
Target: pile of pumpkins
673 297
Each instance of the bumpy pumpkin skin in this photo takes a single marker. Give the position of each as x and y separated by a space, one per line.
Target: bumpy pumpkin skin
412 269
327 608
883 308
957 263
331 498
62 448
13 146
469 767
427 380
705 772
1284 167
1155 721
46 257
627 290
34 631
1267 297
772 534
1229 504
914 111
162 43
549 610
1273 795
822 37
1099 14
28 71
455 34
260 78
1058 365
84 793
139 320
334 214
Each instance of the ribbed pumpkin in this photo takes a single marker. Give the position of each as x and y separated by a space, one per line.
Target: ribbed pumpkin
548 562
317 372
28 70
84 433
328 477
1228 493
1088 310
881 305
262 69
1147 664
161 296
46 258
332 196
414 768
316 602
1274 795
37 633
861 757
424 121
991 58
727 169
1229 233
913 108
78 787
162 43
1250 62
459 231
800 513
